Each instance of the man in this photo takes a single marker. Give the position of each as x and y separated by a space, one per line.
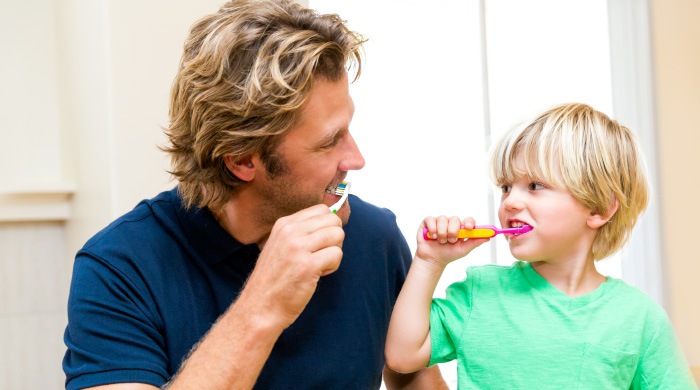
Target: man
241 276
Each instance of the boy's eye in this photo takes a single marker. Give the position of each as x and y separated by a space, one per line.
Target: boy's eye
534 186
505 188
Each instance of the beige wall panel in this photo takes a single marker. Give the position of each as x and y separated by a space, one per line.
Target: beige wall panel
31 264
32 350
676 43
32 305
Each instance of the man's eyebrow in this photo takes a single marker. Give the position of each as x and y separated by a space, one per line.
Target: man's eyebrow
333 134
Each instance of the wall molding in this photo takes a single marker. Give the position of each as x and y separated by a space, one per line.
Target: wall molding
32 203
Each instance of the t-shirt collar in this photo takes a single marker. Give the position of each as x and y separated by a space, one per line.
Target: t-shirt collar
543 286
210 240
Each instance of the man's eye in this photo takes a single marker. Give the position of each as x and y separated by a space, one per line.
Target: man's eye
332 143
534 186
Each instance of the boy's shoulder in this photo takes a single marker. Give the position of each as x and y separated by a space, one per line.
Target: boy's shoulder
634 297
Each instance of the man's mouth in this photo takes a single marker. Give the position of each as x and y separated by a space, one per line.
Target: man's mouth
334 189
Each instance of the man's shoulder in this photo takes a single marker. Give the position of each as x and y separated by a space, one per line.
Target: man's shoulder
374 227
139 223
361 209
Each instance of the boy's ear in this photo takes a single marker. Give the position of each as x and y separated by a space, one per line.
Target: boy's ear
242 168
596 220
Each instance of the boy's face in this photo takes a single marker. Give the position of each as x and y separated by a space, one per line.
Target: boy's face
560 222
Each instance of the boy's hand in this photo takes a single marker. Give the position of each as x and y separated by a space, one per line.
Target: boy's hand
447 247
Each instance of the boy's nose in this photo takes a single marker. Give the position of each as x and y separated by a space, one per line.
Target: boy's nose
513 201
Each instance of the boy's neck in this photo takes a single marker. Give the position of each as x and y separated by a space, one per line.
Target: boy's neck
572 278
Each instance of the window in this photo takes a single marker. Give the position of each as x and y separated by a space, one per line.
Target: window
443 78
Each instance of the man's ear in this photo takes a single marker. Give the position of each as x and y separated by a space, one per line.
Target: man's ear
242 168
596 220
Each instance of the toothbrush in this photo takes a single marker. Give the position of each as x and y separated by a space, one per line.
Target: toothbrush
342 189
483 231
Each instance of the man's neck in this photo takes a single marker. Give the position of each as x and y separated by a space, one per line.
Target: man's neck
238 218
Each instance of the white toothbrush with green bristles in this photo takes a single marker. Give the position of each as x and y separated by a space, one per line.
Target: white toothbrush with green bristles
343 189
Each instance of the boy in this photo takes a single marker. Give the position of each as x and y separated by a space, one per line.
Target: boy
550 320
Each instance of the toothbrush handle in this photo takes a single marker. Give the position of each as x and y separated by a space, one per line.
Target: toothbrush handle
477 232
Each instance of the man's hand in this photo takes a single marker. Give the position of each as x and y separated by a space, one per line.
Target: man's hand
301 248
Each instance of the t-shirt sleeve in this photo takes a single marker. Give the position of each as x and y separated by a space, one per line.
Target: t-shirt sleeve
404 263
449 317
396 249
663 365
112 333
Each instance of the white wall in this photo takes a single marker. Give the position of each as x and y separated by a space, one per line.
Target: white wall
29 95
419 117
117 63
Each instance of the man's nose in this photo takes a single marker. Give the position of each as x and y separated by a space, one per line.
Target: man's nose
353 159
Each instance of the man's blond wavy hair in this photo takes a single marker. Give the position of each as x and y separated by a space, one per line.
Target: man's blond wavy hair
244 75
575 147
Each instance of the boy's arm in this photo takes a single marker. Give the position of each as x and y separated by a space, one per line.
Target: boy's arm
408 344
408 341
427 378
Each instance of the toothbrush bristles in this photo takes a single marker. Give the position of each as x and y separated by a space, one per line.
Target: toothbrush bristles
340 189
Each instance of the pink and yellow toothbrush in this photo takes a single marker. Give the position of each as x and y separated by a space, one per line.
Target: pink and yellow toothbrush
483 231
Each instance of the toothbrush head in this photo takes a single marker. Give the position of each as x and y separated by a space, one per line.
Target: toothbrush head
343 189
524 229
340 189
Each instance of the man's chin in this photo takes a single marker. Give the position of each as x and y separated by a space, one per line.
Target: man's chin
344 213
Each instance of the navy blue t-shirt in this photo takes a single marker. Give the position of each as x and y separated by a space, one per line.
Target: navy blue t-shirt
151 284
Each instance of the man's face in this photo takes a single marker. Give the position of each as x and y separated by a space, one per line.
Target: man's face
315 155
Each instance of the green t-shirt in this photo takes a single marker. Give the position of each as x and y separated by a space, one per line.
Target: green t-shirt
509 328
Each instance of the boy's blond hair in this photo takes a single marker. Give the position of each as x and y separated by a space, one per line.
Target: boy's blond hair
573 146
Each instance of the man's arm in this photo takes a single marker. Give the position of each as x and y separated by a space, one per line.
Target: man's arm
427 378
124 386
232 353
300 249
